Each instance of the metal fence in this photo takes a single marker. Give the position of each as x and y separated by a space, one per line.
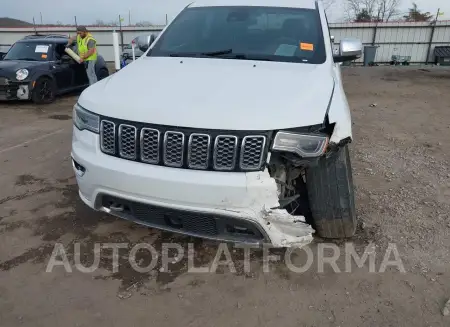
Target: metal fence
103 35
416 40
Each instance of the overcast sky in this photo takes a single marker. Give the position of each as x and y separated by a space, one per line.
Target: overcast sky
88 11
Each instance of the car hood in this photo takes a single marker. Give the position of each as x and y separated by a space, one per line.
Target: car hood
14 65
214 93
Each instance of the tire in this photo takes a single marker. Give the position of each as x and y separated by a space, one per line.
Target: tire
102 74
331 196
44 91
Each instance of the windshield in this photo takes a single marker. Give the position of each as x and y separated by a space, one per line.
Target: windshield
31 51
254 33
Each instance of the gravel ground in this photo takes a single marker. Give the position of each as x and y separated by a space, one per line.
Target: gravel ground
401 172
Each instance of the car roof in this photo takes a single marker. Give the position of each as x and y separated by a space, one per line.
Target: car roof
306 4
44 38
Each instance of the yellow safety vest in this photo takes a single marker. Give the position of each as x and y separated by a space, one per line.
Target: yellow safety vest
83 48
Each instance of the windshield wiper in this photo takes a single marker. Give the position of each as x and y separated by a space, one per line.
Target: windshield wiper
226 54
201 54
217 53
185 54
244 56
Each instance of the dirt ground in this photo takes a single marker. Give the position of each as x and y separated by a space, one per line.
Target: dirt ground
401 169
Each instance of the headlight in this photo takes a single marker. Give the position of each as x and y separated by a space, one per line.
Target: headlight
21 74
84 119
305 145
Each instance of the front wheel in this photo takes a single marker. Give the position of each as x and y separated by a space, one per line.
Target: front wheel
44 91
331 195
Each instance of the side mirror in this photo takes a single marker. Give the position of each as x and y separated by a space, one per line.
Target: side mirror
144 42
349 49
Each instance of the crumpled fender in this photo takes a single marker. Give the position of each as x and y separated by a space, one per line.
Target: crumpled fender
339 113
283 229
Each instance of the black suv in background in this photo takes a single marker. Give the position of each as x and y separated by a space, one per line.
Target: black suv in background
37 68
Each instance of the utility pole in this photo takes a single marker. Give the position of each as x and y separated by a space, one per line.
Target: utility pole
34 24
129 17
76 24
41 18
121 32
433 29
167 21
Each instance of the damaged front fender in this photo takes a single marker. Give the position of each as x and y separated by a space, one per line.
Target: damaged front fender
339 115
282 228
287 230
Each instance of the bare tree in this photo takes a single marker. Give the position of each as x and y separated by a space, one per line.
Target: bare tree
387 9
416 15
377 10
328 3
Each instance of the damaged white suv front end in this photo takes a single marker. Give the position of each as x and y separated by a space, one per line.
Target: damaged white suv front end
225 139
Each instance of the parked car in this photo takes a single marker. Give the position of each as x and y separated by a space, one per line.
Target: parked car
238 128
38 68
127 53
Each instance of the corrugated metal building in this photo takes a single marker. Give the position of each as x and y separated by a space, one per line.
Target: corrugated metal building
397 38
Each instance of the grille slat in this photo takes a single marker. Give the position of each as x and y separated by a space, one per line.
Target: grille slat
205 151
173 149
127 141
225 150
198 151
150 145
108 137
252 150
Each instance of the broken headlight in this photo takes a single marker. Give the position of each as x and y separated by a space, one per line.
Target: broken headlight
21 74
84 119
305 145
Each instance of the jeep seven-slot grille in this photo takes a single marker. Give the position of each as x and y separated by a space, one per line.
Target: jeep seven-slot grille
183 147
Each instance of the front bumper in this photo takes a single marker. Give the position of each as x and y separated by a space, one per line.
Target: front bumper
14 90
228 206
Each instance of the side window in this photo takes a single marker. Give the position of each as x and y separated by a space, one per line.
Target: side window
59 51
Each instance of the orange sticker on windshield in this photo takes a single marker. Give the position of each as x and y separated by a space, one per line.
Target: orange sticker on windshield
307 46
44 56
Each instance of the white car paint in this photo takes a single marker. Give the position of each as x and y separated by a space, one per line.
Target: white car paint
212 94
216 93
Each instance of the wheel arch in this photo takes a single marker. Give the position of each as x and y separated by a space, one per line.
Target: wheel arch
43 74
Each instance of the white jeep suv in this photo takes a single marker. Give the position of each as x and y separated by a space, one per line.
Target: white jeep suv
232 126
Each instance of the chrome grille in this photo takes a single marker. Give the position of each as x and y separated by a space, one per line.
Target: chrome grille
150 145
127 141
198 151
225 150
173 149
183 147
108 137
251 152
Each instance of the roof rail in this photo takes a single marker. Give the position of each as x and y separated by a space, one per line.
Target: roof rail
56 35
45 36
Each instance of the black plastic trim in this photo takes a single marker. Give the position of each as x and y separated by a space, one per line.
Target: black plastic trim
187 131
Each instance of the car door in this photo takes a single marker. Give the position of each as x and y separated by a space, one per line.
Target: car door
81 78
62 70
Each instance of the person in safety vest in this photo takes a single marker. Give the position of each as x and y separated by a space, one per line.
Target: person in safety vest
87 50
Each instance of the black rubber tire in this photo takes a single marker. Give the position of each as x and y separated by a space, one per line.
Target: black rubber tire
331 195
38 90
102 74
